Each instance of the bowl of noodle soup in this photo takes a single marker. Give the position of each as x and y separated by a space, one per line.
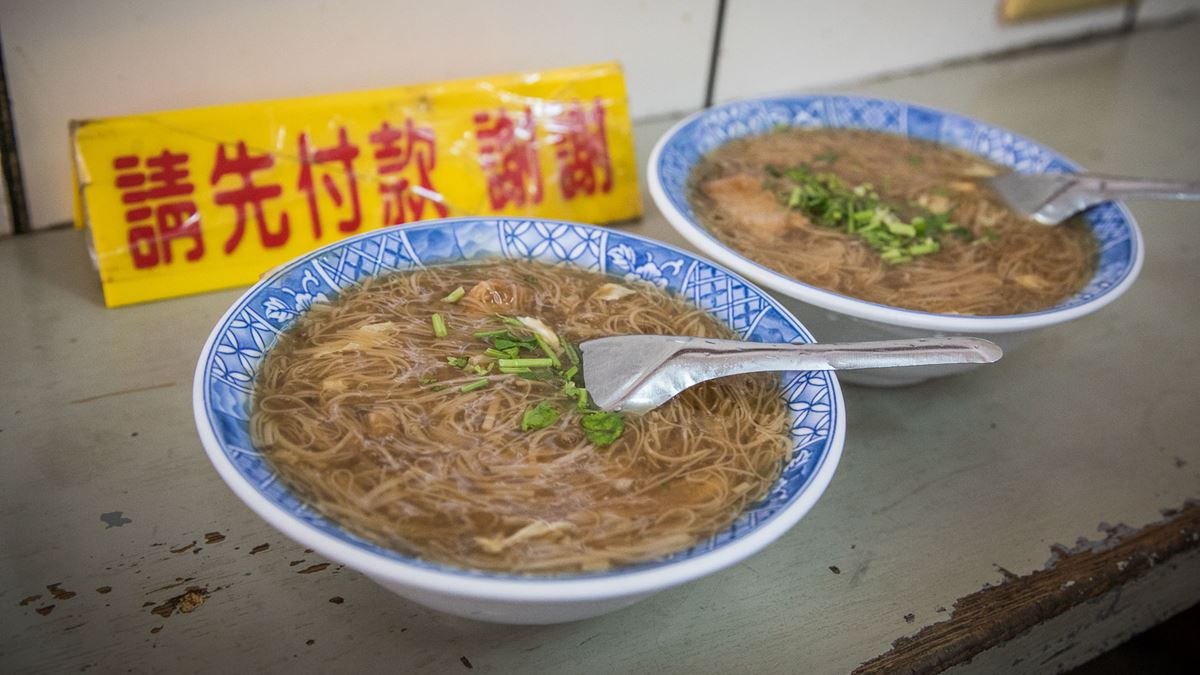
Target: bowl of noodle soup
871 219
332 407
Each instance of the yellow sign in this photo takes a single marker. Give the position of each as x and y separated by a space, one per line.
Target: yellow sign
194 200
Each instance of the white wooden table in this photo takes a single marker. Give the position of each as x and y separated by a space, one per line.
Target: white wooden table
109 509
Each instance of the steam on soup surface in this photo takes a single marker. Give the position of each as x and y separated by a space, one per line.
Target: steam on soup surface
892 220
440 412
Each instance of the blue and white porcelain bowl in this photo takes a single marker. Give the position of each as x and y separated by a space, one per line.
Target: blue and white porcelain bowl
835 317
235 349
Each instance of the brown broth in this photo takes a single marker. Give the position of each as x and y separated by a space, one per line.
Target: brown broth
1010 265
359 410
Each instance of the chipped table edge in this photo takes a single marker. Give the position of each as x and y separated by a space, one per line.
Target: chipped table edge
1077 576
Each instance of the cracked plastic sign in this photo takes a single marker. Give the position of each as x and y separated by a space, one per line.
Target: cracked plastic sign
194 200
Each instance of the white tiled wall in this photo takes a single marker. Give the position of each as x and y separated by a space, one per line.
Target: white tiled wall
89 58
772 46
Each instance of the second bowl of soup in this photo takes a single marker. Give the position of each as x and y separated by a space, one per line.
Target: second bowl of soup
872 219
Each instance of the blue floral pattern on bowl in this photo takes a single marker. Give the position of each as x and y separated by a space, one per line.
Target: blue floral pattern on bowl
255 322
1110 222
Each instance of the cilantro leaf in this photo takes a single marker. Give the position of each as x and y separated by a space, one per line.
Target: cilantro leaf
539 417
602 428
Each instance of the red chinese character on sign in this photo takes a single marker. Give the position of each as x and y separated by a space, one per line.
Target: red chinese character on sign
343 153
508 155
398 151
248 195
158 208
581 146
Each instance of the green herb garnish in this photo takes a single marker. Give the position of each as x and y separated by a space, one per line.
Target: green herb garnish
925 247
472 386
571 352
455 295
504 340
539 417
526 363
510 353
538 375
457 361
602 428
541 343
504 344
859 210
485 334
424 380
439 326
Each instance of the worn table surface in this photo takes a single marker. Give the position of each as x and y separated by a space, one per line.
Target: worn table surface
109 509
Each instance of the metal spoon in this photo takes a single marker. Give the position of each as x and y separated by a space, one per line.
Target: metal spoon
638 373
1051 198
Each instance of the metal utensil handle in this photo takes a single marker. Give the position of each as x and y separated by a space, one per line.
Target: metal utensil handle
720 358
1122 187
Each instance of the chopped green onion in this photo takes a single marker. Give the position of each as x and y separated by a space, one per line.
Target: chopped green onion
535 374
894 256
902 229
424 380
511 342
796 198
477 384
457 361
602 428
569 374
929 245
572 353
526 363
539 417
439 326
541 342
480 370
583 398
455 295
510 320
489 333
510 353
508 370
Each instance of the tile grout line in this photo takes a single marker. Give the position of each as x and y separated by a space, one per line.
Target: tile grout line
715 55
14 186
